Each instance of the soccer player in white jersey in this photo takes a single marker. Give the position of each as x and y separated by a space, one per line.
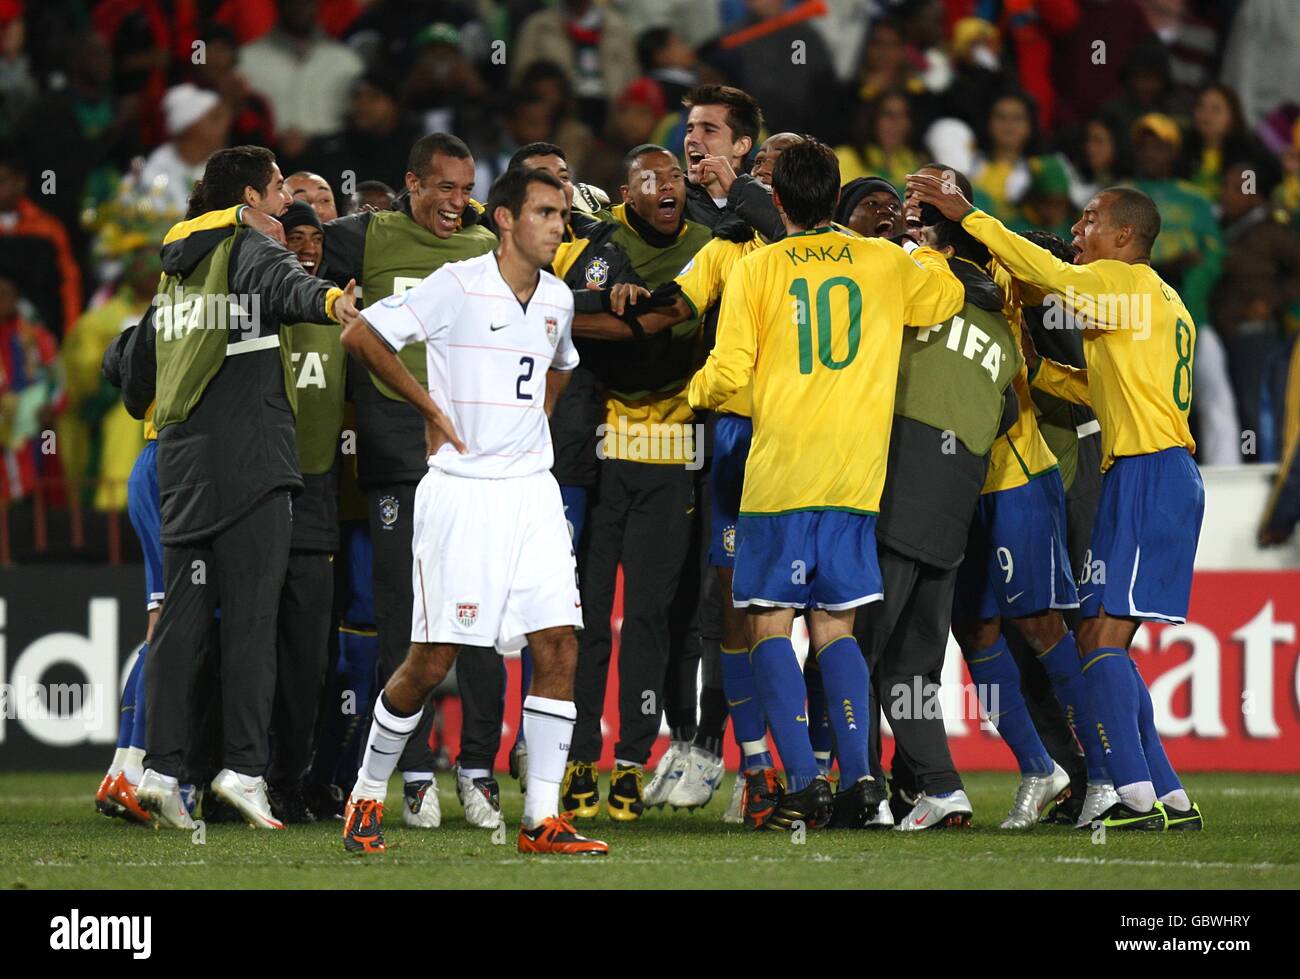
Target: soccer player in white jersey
493 564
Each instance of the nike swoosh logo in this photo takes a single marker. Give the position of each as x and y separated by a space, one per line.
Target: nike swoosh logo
737 703
1085 597
1012 598
494 327
924 816
1134 819
800 719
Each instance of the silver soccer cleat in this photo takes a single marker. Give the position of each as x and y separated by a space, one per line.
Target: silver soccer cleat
1101 795
162 797
669 771
1036 792
250 800
696 787
931 812
735 814
421 809
481 799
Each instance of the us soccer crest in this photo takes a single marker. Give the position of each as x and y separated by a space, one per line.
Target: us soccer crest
729 541
466 613
553 330
388 511
597 273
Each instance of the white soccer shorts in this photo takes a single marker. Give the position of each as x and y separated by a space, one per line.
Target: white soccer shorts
492 560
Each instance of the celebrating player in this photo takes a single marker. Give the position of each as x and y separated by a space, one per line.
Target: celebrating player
805 537
493 560
1138 343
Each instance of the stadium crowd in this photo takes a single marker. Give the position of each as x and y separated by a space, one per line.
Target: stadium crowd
112 112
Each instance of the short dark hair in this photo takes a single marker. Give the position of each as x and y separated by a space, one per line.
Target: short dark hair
946 232
1130 208
744 115
511 188
807 180
532 150
636 152
420 159
226 175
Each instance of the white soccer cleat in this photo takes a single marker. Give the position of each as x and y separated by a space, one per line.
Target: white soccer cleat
1101 795
1036 793
249 800
481 798
699 781
667 774
884 818
931 812
162 797
421 809
735 814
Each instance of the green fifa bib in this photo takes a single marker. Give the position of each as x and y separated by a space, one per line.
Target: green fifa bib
314 371
192 317
399 255
952 376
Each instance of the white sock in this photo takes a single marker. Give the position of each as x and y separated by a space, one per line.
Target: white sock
475 773
1138 796
417 776
1178 799
620 763
388 736
133 765
170 781
118 762
548 728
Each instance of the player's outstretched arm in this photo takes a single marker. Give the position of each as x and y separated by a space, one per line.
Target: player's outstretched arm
730 366
361 341
1023 259
931 293
1065 382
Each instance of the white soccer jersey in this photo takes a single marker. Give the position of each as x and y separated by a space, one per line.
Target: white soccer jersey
488 356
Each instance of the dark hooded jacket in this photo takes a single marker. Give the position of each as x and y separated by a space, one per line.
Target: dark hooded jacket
236 444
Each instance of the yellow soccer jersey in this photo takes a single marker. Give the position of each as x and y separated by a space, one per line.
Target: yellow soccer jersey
815 323
1021 453
702 282
1139 350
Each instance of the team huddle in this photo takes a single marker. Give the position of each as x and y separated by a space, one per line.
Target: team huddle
899 441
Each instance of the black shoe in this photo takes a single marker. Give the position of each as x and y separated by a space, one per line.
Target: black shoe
858 807
1067 811
217 810
579 793
324 801
1120 816
810 806
289 804
1184 819
626 800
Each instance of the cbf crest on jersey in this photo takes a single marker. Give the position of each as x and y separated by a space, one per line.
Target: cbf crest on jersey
466 613
729 541
553 330
597 273
388 511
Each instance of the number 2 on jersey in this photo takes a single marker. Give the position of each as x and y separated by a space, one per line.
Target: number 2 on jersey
799 290
527 375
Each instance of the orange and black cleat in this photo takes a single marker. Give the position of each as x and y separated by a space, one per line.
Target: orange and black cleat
557 835
363 826
122 793
763 790
104 804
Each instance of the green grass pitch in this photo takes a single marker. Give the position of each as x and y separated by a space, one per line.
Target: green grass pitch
50 836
